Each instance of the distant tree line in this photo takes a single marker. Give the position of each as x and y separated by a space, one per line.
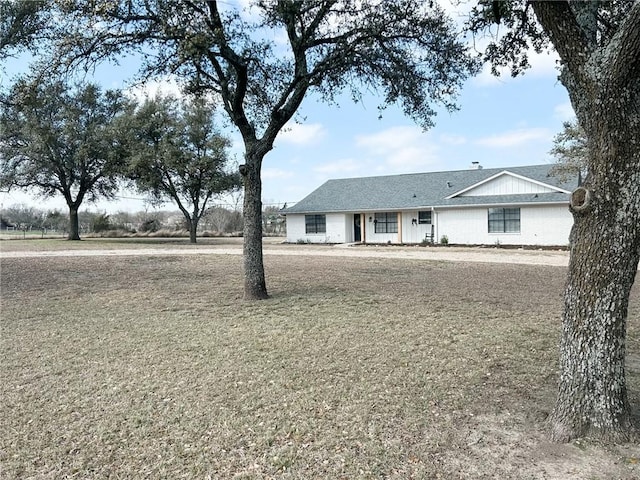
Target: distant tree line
216 220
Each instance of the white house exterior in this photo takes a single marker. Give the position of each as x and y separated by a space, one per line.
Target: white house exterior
512 206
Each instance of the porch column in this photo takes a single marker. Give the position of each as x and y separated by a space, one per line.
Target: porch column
399 227
363 228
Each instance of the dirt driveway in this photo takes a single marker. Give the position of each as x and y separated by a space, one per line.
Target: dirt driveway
274 246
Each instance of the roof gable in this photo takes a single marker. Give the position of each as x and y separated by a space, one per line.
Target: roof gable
507 183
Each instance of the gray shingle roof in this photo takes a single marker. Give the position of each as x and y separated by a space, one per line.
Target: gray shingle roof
420 190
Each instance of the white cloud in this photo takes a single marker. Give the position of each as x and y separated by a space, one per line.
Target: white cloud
339 167
564 112
153 88
544 64
275 173
409 157
515 138
403 148
386 141
452 139
302 134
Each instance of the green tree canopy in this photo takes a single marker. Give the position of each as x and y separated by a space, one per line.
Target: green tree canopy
20 26
571 150
179 154
62 140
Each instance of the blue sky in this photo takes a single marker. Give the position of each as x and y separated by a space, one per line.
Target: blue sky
502 122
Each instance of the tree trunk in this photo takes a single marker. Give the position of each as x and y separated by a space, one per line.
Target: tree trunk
592 395
193 229
255 287
74 230
605 248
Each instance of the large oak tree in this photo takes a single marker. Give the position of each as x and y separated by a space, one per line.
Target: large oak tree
62 140
178 154
599 47
262 68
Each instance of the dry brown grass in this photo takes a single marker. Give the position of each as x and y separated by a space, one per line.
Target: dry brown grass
102 243
153 367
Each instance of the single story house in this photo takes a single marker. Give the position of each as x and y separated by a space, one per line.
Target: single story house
478 206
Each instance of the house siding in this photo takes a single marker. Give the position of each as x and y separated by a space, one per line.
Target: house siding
544 225
339 229
414 233
506 185
539 225
372 236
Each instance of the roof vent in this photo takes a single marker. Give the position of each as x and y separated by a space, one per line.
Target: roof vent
475 166
449 184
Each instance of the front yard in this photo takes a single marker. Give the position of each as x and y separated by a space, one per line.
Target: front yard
154 367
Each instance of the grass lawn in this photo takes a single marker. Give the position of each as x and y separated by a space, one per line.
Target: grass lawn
35 244
154 367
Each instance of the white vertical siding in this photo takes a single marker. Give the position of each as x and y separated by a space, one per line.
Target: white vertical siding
549 225
414 232
507 185
462 225
373 237
539 225
336 227
295 228
339 229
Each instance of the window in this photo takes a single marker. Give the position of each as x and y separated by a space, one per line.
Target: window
315 223
424 218
386 223
504 220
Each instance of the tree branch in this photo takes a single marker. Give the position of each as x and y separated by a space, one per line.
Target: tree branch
570 41
624 48
308 34
292 96
236 99
173 192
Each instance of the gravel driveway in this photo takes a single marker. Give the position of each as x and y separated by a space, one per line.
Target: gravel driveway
272 246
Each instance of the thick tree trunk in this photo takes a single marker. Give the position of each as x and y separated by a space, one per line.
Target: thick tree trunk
255 287
601 76
74 229
605 248
592 394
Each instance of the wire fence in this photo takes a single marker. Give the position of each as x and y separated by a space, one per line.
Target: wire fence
23 234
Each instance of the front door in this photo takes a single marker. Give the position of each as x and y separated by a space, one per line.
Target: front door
357 235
